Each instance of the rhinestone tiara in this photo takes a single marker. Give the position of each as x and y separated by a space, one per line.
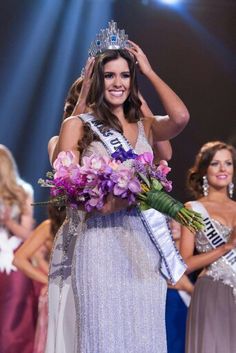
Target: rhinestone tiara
109 38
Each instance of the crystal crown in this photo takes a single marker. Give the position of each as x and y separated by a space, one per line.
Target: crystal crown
109 38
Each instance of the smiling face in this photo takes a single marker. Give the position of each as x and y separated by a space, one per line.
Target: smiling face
220 170
116 82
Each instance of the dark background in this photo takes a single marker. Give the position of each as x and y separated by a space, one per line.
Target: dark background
44 46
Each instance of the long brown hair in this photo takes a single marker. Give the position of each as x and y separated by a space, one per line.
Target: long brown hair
72 97
202 162
11 186
96 101
57 216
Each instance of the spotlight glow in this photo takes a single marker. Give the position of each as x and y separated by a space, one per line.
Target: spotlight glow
171 2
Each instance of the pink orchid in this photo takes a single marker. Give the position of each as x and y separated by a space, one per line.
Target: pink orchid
64 165
163 169
167 185
64 159
94 162
96 200
125 182
145 158
114 164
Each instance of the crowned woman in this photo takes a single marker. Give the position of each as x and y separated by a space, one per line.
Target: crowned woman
107 282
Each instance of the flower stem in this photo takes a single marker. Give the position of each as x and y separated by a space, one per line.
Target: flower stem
166 204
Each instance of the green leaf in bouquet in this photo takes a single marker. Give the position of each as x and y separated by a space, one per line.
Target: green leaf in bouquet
156 185
142 197
166 204
143 206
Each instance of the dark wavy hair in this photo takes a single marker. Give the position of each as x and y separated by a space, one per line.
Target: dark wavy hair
202 162
72 97
96 101
57 216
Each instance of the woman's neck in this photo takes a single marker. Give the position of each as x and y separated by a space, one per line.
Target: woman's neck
218 196
119 113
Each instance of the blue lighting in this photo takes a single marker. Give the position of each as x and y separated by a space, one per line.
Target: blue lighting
170 2
47 47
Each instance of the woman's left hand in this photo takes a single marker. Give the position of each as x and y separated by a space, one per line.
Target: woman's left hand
114 204
141 58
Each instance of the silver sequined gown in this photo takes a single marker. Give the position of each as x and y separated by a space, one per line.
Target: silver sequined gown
212 314
106 294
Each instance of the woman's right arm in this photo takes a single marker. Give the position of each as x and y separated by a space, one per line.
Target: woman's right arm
183 284
162 149
71 132
70 125
24 254
199 261
53 148
177 113
22 228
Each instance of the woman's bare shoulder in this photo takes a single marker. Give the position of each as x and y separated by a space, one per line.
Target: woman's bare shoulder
44 226
188 204
72 121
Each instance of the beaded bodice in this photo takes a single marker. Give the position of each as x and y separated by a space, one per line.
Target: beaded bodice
219 269
203 245
141 146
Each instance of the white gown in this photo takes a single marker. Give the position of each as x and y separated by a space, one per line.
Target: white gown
106 294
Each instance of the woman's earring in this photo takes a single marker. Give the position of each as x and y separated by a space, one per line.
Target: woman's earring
205 185
231 189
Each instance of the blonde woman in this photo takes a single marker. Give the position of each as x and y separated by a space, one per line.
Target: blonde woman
32 258
17 299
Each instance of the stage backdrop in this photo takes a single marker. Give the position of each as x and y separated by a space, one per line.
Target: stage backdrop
44 46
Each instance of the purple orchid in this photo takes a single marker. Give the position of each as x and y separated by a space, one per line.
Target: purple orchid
121 155
145 158
126 183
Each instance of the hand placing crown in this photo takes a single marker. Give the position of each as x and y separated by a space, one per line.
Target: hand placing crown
109 38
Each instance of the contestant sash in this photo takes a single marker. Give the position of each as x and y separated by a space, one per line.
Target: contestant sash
213 235
172 265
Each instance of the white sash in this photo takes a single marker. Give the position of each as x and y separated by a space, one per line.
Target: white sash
172 265
213 236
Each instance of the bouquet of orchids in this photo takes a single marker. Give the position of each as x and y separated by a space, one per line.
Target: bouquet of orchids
125 175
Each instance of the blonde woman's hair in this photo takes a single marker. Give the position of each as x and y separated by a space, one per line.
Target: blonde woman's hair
12 188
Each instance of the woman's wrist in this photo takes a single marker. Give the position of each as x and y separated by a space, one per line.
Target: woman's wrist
227 247
150 73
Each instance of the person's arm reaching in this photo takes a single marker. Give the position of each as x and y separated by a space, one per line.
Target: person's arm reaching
178 115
